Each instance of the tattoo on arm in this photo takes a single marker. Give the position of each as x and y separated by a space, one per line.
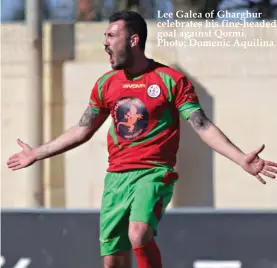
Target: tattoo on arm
87 118
199 120
72 138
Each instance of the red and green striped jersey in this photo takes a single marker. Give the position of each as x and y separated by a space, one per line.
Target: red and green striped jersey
145 110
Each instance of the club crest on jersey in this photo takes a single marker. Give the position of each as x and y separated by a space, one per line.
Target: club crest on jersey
130 117
153 91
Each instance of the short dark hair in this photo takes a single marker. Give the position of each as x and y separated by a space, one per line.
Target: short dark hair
135 24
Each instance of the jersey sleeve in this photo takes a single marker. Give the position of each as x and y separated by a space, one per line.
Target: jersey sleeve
96 101
186 100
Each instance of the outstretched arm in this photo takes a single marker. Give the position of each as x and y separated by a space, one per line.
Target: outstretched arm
218 141
214 137
75 136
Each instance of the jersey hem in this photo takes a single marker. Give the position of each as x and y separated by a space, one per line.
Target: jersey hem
122 168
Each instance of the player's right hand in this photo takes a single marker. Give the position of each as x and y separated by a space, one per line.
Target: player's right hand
22 159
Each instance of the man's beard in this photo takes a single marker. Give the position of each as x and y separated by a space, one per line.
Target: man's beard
125 58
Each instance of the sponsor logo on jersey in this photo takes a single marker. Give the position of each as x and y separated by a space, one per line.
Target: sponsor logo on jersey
153 91
134 85
130 117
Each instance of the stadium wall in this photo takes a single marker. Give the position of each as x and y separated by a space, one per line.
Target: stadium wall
236 86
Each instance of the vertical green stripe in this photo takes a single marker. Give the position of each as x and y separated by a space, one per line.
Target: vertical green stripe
169 83
101 81
113 135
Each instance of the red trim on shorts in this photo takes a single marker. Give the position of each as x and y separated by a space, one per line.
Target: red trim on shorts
158 209
169 177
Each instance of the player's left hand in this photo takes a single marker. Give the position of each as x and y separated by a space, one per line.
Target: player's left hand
256 166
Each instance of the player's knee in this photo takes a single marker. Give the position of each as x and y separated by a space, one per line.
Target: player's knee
140 233
114 264
110 262
110 265
118 260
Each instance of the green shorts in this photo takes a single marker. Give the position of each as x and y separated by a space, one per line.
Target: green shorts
138 195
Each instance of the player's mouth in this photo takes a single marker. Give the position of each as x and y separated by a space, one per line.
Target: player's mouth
111 55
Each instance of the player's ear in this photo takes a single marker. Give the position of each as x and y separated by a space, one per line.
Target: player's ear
134 40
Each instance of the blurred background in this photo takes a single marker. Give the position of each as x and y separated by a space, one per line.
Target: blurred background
99 10
47 74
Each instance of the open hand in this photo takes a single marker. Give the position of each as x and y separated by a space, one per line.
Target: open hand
22 159
256 166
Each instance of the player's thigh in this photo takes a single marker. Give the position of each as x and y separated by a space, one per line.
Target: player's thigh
152 195
114 215
121 259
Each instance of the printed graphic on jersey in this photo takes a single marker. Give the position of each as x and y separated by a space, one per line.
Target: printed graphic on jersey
130 118
154 91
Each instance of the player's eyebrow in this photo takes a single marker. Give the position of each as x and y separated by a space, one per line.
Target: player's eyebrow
109 34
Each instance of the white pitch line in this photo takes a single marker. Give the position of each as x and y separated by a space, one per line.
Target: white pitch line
217 264
23 263
2 261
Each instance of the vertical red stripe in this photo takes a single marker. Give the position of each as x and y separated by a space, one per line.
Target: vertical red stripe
158 209
169 177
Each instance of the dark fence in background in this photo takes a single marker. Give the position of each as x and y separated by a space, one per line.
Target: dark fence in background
187 238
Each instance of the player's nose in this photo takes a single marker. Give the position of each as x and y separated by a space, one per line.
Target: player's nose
105 42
